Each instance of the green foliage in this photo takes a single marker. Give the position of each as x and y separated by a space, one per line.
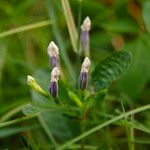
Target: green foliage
139 73
110 69
90 119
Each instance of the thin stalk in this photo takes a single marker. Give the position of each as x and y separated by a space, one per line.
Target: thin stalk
127 128
70 23
108 142
18 120
85 134
25 28
11 113
78 44
132 134
87 147
47 131
75 98
60 39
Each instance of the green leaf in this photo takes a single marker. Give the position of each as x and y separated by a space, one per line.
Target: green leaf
146 17
121 26
31 110
51 118
110 69
60 126
139 73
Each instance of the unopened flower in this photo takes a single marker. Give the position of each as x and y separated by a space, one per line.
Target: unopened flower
53 54
53 88
83 77
35 86
85 38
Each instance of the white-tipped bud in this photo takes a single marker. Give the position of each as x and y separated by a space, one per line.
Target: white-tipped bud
53 54
85 65
55 74
83 78
35 86
86 26
85 37
53 87
30 80
52 49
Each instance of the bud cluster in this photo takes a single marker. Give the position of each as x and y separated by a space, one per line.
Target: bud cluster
83 77
53 53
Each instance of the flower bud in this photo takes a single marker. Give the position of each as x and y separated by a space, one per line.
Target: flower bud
53 54
83 77
53 87
35 86
85 38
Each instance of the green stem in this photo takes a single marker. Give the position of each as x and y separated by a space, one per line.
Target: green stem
132 134
60 40
126 127
11 113
69 143
47 131
78 44
75 98
70 23
3 124
25 28
106 131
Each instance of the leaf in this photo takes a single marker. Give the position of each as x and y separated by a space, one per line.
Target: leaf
52 117
31 110
121 26
92 100
139 73
62 127
110 69
146 17
70 23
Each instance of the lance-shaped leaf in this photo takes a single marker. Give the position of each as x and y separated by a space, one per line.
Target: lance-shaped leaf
110 69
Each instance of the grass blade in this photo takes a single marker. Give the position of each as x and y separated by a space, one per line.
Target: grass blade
3 124
11 113
25 28
71 24
59 39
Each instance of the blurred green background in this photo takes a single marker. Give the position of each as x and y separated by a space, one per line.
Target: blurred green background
116 25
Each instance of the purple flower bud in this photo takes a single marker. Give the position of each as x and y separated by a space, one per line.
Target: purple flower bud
85 38
53 88
53 54
83 77
85 41
54 61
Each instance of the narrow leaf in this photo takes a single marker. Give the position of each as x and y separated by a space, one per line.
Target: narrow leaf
70 24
